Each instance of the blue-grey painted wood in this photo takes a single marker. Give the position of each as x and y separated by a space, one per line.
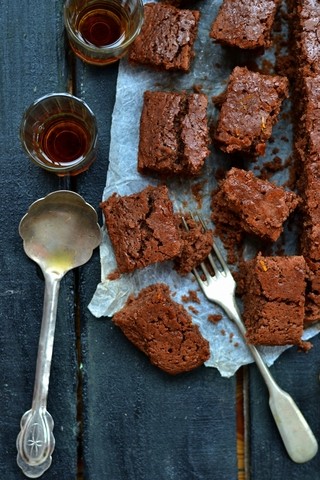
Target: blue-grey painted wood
140 423
137 422
32 64
298 374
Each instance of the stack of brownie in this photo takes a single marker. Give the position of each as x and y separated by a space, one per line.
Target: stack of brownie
305 34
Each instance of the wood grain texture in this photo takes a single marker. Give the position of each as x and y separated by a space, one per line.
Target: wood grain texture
149 426
136 423
32 56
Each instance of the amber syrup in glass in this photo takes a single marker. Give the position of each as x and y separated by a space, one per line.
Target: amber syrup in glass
103 24
64 141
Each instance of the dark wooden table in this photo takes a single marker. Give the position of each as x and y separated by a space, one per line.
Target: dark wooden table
116 417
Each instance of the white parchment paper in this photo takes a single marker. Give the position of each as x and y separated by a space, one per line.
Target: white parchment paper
210 71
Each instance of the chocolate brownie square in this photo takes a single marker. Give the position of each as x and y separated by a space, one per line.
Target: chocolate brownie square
167 37
142 228
249 110
260 206
274 299
163 330
304 18
246 24
173 133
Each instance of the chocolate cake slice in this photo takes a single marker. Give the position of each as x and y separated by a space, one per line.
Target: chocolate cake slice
249 110
245 24
142 228
274 299
163 330
260 206
167 37
173 134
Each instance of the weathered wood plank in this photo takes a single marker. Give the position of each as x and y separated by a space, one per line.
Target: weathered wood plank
298 374
151 426
33 64
139 422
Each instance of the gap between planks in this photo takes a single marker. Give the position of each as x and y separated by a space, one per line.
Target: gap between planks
242 419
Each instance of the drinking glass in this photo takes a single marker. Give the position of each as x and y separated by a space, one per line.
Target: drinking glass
59 133
101 31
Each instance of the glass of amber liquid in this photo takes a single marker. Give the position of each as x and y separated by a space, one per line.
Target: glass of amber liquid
101 31
59 133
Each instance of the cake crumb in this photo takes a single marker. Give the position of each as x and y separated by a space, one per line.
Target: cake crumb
192 297
197 88
193 310
114 275
197 192
305 346
214 318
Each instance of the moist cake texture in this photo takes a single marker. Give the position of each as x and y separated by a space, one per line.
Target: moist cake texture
142 228
163 330
307 151
196 246
274 299
305 54
249 110
246 24
167 37
173 133
260 206
304 16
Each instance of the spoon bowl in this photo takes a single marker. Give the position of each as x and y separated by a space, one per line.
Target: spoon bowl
59 233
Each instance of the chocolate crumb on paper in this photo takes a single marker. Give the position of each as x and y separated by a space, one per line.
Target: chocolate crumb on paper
191 297
215 318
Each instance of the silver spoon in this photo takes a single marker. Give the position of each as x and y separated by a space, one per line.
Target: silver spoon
59 233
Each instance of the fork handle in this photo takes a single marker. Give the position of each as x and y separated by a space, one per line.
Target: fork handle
295 432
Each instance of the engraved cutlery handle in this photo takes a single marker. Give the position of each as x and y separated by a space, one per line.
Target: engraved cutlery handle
35 442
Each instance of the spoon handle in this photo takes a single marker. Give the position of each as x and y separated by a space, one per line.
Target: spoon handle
35 441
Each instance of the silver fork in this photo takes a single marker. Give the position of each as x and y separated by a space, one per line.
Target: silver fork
219 288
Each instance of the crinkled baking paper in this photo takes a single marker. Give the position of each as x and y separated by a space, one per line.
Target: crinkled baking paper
210 71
